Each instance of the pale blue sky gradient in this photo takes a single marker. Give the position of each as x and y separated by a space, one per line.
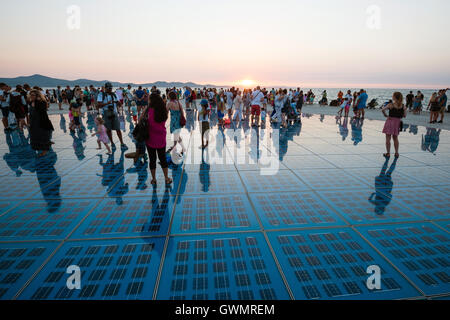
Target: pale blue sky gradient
302 42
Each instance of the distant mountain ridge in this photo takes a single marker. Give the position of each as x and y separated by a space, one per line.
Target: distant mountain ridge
48 82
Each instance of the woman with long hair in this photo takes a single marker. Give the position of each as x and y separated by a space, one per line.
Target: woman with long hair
176 111
397 111
156 144
40 125
434 107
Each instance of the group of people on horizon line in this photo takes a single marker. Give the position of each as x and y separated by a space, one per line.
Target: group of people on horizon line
27 107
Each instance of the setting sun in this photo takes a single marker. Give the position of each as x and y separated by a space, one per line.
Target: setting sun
247 83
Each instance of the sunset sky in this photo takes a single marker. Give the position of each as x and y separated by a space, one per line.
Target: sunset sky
316 43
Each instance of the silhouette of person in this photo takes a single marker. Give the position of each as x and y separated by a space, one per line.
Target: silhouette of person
62 123
46 173
204 173
430 141
383 188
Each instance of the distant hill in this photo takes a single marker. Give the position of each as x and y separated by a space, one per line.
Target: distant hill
47 82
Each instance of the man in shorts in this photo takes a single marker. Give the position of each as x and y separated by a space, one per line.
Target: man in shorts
108 103
361 104
257 101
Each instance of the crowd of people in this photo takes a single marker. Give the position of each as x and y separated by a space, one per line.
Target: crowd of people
26 107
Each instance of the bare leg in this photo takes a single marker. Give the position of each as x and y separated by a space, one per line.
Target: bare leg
396 144
5 122
109 134
107 147
99 145
119 134
388 144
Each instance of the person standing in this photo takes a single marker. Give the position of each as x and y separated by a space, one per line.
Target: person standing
18 105
229 97
257 100
59 97
442 104
434 107
397 111
40 125
157 116
176 111
409 100
362 103
237 104
4 92
187 98
108 102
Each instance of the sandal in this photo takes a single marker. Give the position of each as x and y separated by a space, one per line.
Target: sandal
386 155
397 155
169 181
153 182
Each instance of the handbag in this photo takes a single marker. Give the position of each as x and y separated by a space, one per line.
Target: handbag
182 116
141 131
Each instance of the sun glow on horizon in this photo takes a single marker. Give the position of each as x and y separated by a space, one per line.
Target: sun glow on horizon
247 83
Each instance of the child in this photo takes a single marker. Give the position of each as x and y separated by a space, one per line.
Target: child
263 116
134 111
101 135
220 114
76 110
343 107
203 117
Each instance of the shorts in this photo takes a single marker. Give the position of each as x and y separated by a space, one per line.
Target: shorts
205 127
5 112
76 121
442 109
220 114
256 110
359 107
112 123
60 99
135 118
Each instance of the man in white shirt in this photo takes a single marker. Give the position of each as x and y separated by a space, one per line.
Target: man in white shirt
119 94
237 104
257 101
107 101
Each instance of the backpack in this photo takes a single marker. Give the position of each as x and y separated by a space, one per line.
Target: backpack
15 103
286 106
141 131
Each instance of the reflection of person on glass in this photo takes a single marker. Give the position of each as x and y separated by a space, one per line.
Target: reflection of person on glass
204 173
430 141
357 130
46 173
343 127
20 154
111 171
383 188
